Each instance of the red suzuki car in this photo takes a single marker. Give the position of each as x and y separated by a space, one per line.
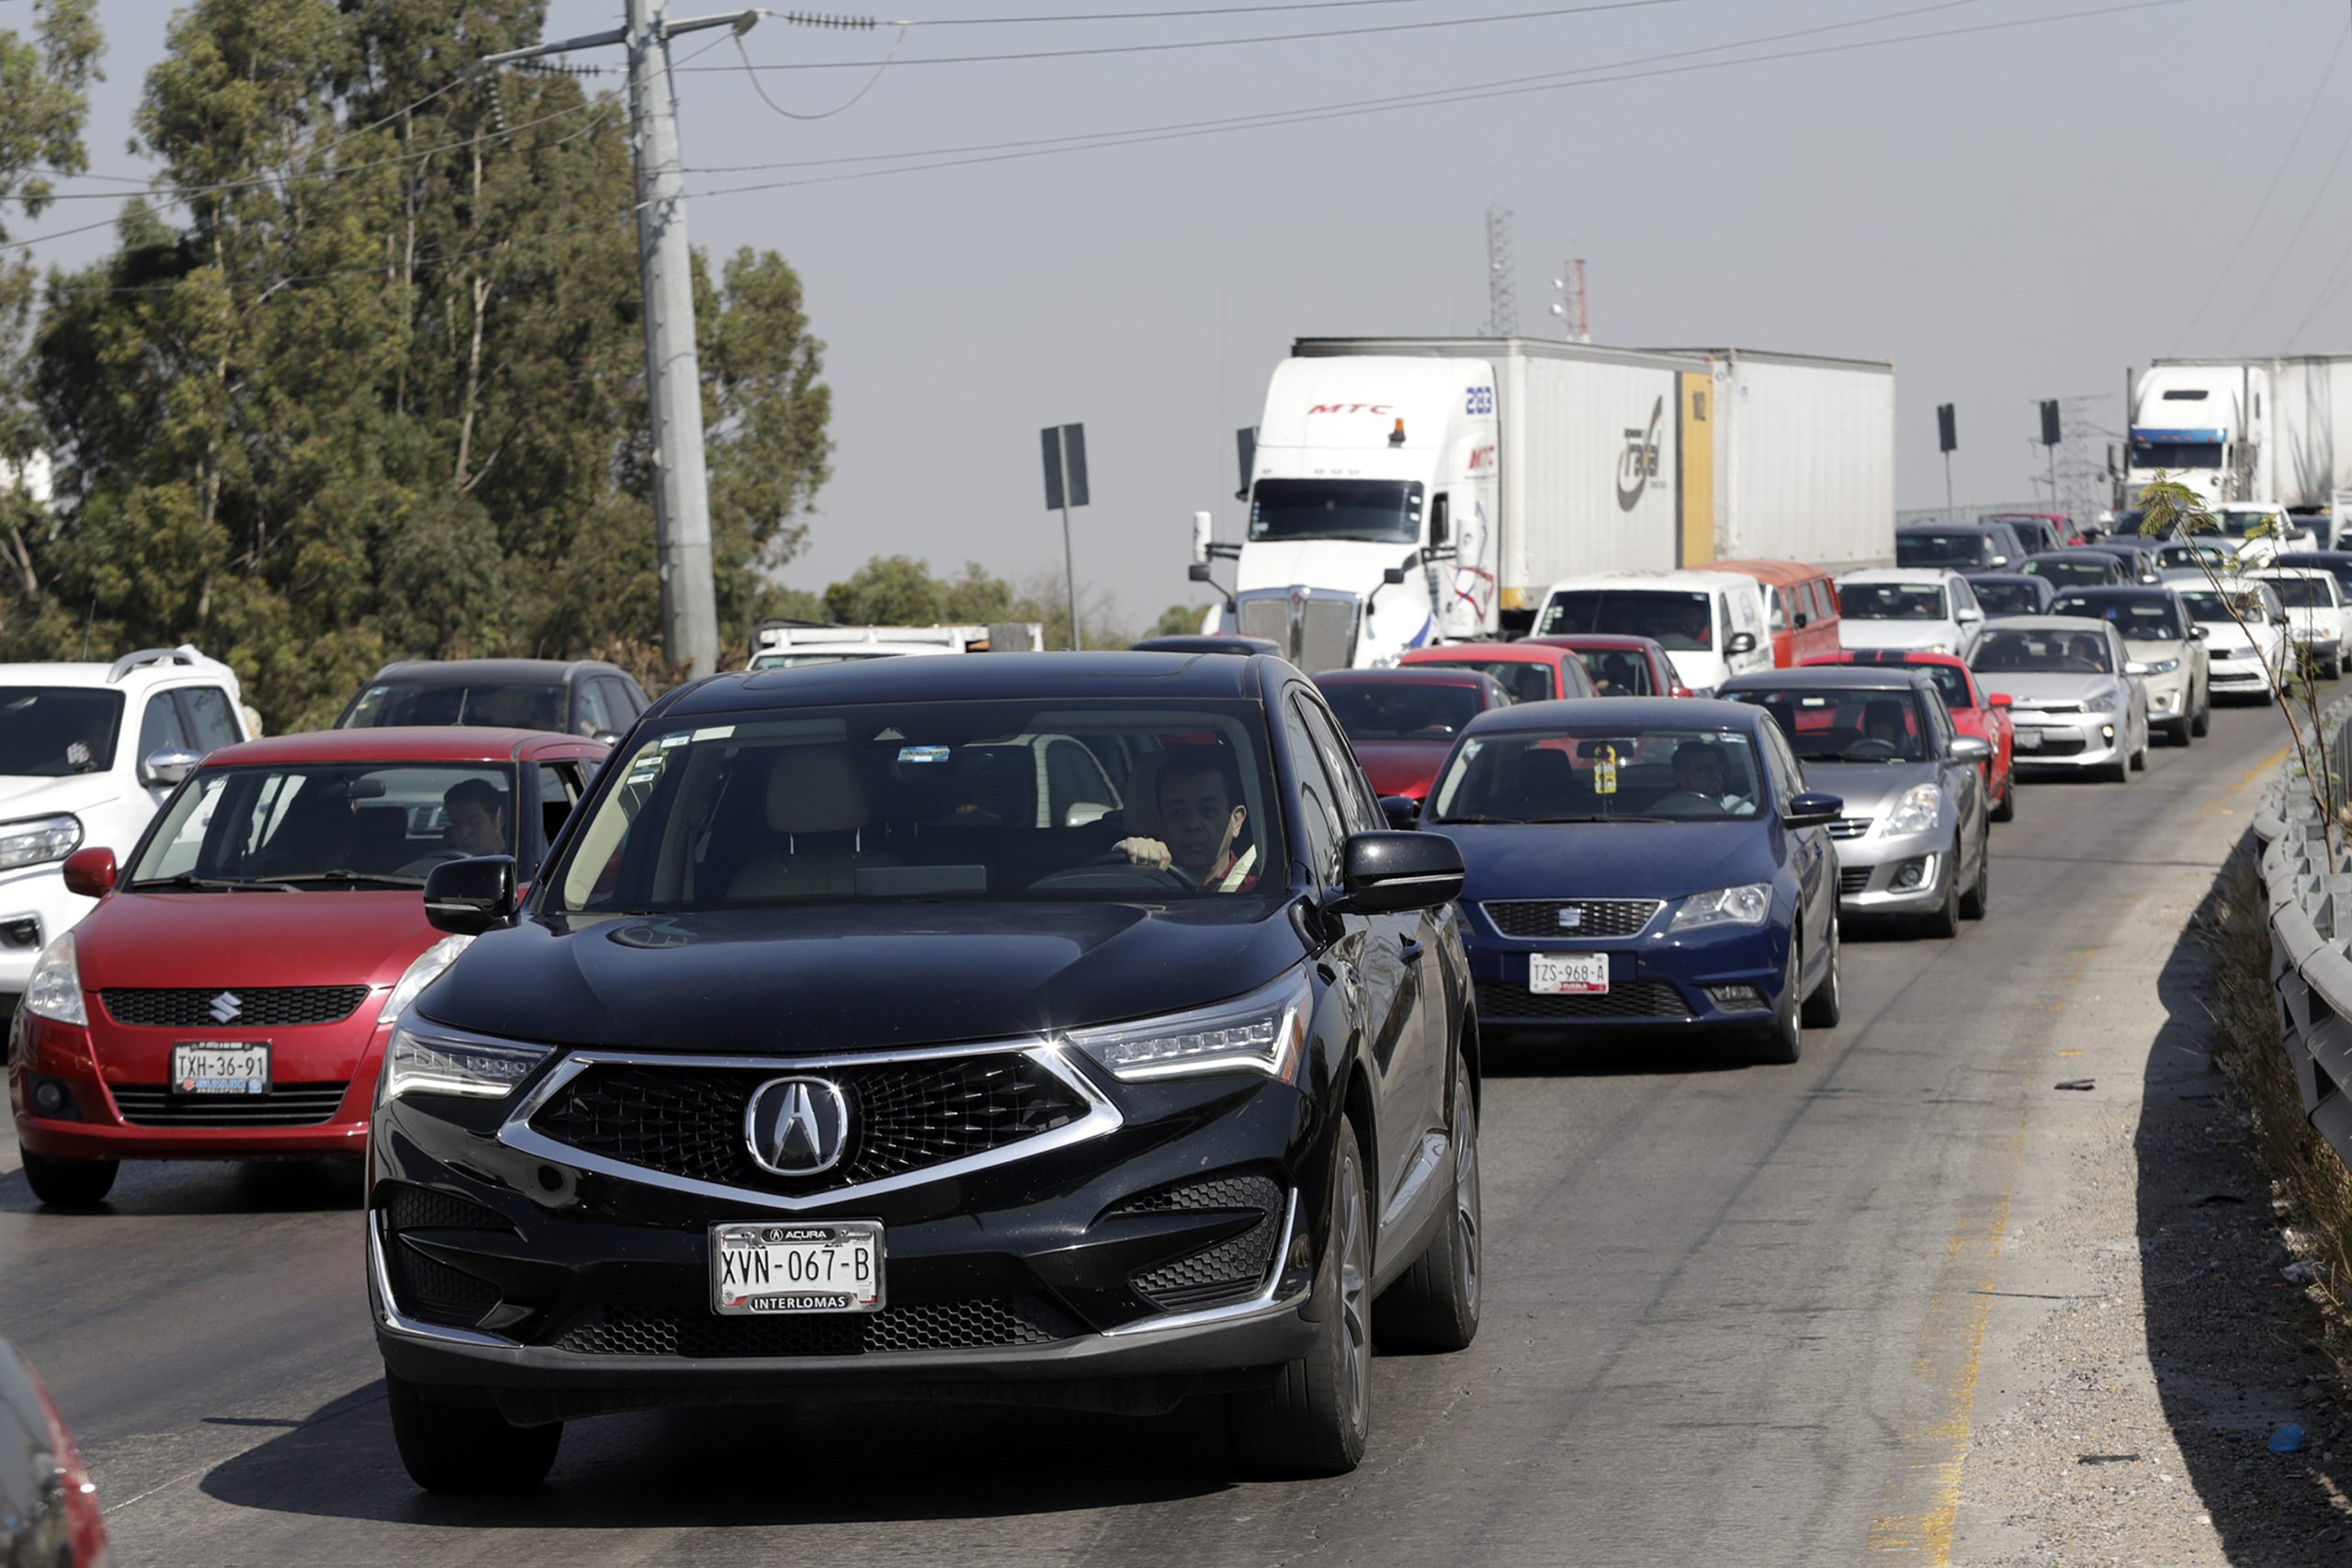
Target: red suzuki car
1974 710
1621 666
1401 723
1530 671
230 996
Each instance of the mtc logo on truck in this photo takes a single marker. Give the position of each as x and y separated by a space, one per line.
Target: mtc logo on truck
1382 409
1637 464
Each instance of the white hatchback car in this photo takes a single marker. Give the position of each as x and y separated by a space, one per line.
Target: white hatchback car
1918 609
87 754
2245 632
2317 612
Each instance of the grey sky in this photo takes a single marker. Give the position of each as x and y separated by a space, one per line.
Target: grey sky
2006 216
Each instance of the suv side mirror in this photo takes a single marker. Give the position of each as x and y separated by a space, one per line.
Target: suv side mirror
1740 642
90 872
1402 810
1389 873
2197 633
467 898
168 766
1812 810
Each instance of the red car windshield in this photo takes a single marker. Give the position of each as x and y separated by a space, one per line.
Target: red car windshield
327 826
1525 682
1396 711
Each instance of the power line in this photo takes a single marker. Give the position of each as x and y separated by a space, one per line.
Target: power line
846 104
1212 42
1285 118
2247 229
1161 16
2280 261
1387 100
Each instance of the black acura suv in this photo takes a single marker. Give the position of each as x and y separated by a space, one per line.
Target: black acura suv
1057 1028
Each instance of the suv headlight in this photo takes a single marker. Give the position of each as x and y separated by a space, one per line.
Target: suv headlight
1264 1031
55 989
421 973
2163 666
1747 905
430 1061
2106 702
1915 812
40 839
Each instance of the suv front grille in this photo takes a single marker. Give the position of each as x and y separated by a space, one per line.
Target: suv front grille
904 1116
287 1105
259 1007
1592 917
1503 1002
972 1324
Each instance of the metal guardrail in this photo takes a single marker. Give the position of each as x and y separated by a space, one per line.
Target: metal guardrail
2309 895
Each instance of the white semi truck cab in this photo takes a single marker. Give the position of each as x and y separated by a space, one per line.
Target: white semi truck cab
1373 509
2206 425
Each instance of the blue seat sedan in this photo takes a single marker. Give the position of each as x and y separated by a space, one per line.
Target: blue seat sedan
1646 864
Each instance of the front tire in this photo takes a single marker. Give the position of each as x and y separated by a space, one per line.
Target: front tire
1315 1416
453 1448
1945 922
70 1183
2007 810
1979 898
1783 1039
2203 723
1434 1307
2183 730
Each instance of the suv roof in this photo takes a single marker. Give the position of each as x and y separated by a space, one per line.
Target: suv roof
133 669
507 671
1019 676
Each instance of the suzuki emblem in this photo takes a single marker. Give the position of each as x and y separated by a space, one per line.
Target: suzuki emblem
225 1006
797 1126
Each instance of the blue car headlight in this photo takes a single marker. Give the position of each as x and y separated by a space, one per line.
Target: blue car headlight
1747 905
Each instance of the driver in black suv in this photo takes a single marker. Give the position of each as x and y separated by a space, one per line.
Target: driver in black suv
1201 823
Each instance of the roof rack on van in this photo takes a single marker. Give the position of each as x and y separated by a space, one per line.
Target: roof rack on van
184 654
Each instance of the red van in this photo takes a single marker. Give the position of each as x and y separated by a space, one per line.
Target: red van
1800 607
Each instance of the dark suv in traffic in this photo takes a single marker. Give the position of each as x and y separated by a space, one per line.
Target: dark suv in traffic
1047 1027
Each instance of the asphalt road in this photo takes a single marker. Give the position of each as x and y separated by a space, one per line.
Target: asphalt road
1733 1313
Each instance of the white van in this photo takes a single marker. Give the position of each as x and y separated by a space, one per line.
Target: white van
1710 623
2317 613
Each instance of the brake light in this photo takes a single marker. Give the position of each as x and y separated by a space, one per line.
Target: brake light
1678 690
86 1531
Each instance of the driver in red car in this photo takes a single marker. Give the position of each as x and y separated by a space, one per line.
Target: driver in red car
1202 822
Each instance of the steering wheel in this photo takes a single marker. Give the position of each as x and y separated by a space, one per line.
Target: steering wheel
1435 731
1869 748
1115 870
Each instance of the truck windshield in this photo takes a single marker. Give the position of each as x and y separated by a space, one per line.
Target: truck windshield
1376 512
2175 456
1681 621
47 732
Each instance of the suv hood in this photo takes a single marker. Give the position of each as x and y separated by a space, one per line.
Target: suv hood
851 976
251 939
22 795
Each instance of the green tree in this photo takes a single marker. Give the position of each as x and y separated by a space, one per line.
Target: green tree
1177 620
382 392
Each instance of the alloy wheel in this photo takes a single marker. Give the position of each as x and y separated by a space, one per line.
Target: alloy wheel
1465 1191
1356 1302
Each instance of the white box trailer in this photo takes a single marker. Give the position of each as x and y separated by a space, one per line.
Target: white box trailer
1409 491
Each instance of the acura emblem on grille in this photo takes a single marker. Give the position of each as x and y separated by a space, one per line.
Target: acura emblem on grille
797 1126
225 1006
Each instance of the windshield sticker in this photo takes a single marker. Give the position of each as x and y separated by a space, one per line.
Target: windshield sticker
922 753
670 740
715 732
1604 771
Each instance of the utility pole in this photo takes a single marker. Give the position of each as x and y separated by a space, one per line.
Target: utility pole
1569 307
673 370
1502 289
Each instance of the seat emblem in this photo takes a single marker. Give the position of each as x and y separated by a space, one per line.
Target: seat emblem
1572 917
225 1006
797 1126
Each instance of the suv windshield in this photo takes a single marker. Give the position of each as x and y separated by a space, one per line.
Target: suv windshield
2252 522
1526 683
500 706
2050 651
331 826
971 802
1865 724
2007 598
1677 620
1891 602
47 732
2142 617
2208 608
1596 772
2084 569
1398 710
1379 512
1958 548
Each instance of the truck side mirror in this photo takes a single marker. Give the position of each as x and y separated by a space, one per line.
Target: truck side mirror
1441 523
1393 576
1199 572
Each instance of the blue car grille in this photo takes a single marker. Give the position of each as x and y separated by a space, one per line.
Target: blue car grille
1572 917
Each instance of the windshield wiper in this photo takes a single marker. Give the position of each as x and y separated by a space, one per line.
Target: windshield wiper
189 881
344 878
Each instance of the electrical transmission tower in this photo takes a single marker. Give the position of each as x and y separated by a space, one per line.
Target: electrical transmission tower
1502 293
2082 487
1569 307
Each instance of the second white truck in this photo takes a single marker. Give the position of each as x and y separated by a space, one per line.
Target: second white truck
1410 490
